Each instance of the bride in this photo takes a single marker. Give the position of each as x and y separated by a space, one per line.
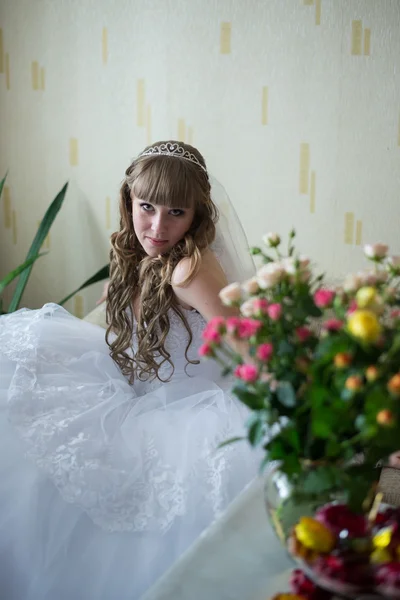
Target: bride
109 459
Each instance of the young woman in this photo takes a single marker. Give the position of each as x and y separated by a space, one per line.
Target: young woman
109 459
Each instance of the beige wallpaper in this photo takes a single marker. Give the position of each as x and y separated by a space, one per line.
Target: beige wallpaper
294 103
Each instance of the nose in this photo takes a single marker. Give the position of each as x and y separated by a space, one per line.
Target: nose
158 225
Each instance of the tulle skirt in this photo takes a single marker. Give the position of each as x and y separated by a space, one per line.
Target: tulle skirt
103 484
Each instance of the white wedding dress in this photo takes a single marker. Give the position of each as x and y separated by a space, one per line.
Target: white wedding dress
104 484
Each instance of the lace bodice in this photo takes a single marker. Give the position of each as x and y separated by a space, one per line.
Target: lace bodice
176 344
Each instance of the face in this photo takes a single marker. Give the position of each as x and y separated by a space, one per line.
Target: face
159 228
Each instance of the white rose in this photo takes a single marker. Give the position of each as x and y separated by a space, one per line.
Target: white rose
289 265
230 294
271 239
247 308
250 286
353 282
376 251
269 275
304 262
394 262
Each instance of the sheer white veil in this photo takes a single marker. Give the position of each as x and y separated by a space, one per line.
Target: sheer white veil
230 246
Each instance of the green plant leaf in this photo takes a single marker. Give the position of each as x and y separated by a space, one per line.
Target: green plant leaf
253 401
286 394
2 182
256 433
13 274
37 243
100 275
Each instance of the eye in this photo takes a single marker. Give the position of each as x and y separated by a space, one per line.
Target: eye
146 207
177 212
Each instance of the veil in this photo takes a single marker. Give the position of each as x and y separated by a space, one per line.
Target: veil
230 245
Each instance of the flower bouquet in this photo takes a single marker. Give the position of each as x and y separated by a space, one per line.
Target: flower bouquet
319 368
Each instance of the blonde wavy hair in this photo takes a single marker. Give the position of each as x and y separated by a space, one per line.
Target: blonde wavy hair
175 183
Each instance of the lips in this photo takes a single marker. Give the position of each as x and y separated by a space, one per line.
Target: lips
157 242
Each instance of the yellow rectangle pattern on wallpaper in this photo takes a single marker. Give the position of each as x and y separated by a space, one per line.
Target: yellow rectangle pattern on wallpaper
264 106
348 228
7 61
35 75
140 102
356 38
181 130
367 42
318 12
104 45
73 152
304 168
79 306
359 233
225 38
7 207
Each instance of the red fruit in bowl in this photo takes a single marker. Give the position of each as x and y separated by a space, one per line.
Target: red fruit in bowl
303 586
343 571
338 517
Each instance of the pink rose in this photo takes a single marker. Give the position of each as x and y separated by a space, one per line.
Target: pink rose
254 307
352 307
213 329
206 350
248 327
260 306
274 311
232 324
246 372
324 298
332 324
264 352
303 333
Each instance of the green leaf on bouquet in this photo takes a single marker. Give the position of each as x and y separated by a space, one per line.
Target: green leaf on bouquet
256 433
286 394
250 399
319 480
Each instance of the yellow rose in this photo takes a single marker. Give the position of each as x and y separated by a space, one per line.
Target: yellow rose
314 535
363 324
380 556
366 297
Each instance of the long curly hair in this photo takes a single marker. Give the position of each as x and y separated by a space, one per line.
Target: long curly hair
135 276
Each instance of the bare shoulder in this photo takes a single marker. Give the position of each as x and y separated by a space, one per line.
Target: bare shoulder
209 267
202 292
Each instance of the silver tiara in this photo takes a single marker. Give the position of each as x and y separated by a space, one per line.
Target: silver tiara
175 151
